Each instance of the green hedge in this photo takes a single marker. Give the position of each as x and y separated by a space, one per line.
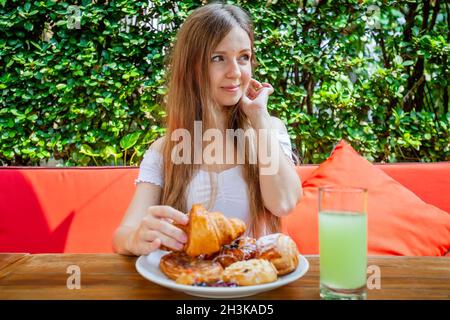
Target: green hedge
88 91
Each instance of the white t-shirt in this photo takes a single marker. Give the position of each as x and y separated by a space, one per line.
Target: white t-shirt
232 196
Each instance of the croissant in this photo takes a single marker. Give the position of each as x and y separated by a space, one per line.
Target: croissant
208 231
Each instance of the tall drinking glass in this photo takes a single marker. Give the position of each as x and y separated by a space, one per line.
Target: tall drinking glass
343 242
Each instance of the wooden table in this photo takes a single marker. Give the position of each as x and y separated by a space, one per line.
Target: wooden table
111 276
10 258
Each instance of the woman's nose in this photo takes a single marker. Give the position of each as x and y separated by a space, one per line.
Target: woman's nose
234 70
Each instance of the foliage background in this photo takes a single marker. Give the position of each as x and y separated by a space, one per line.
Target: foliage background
87 90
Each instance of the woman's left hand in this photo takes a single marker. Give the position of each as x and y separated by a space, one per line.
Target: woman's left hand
254 102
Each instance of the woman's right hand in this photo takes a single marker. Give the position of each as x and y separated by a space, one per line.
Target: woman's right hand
156 229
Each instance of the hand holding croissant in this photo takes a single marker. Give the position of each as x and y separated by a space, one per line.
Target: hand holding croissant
208 231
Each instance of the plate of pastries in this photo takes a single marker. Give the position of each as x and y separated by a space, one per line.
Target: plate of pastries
218 261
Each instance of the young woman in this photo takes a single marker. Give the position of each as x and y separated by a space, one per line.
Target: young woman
210 83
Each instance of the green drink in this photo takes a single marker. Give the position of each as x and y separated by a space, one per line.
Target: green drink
343 243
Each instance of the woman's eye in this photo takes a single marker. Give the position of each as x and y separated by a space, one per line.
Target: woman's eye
245 57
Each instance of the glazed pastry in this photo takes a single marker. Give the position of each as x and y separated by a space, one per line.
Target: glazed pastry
243 248
250 272
279 249
208 231
199 279
184 269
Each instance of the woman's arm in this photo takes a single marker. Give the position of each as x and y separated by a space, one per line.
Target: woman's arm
145 196
279 182
146 224
280 185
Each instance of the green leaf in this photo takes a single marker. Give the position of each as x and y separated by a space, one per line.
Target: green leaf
407 63
87 150
28 26
61 23
110 151
129 140
36 45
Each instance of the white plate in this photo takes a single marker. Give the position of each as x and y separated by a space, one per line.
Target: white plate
148 267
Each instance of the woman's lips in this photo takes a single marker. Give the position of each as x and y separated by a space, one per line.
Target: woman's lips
231 88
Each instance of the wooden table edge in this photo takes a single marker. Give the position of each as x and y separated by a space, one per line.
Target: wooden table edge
5 270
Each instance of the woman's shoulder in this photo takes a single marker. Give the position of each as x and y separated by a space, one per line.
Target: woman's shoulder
278 124
151 167
158 145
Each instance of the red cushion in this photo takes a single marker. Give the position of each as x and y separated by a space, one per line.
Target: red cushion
62 210
399 222
304 171
430 181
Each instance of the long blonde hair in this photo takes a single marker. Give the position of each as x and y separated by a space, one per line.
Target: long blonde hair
188 95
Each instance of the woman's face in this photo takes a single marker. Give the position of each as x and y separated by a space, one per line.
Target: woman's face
230 68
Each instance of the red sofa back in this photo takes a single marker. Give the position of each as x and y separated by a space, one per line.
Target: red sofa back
76 210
